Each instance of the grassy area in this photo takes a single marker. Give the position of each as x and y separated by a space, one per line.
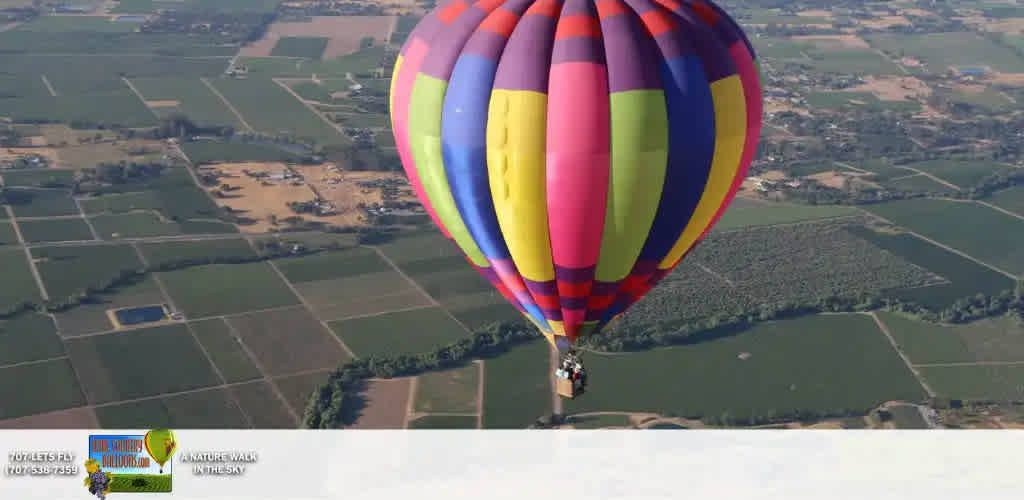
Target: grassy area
140 363
963 173
406 332
47 178
852 61
988 383
858 100
210 409
148 225
965 277
1010 199
91 317
449 391
444 422
978 231
28 337
52 230
160 254
299 46
201 152
794 365
744 213
334 264
19 285
942 50
996 339
220 289
288 341
272 110
517 386
41 202
67 271
195 100
225 351
259 401
38 388
917 184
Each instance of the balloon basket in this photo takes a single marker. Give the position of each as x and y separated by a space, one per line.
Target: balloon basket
568 388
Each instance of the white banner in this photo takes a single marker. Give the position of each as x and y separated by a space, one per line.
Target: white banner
523 465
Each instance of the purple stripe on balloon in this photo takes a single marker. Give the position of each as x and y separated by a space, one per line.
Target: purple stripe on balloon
645 267
573 303
714 56
674 44
489 273
604 288
578 49
631 54
444 50
527 57
579 7
542 287
523 297
487 44
425 30
574 274
642 6
552 314
594 315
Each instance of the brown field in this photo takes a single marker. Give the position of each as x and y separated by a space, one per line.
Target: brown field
827 14
776 105
57 134
373 293
917 12
395 7
75 418
910 62
885 21
1013 79
834 41
970 88
8 154
387 402
306 346
897 88
162 104
1010 26
832 179
89 155
258 200
346 195
344 34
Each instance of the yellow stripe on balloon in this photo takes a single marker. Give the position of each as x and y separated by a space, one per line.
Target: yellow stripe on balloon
516 143
391 92
730 134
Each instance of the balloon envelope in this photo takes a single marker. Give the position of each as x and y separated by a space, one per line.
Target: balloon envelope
161 445
575 150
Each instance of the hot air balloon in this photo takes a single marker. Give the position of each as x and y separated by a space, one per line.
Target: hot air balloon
575 150
161 445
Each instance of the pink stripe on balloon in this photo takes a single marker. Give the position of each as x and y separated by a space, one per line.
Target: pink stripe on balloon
578 159
752 93
411 62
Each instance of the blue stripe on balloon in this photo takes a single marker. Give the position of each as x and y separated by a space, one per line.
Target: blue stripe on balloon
691 132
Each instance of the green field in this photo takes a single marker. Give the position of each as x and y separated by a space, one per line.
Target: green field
201 152
996 339
312 91
774 16
372 293
227 355
98 36
297 46
989 99
985 234
264 408
918 184
148 225
173 202
363 120
161 254
852 61
406 332
46 177
334 264
19 285
7 234
448 391
288 341
907 417
41 202
38 388
97 77
883 171
271 110
140 363
28 337
963 173
857 100
68 271
297 388
207 409
53 230
444 422
965 277
599 421
517 386
795 365
195 99
744 213
1010 199
942 50
998 383
118 107
91 317
64 24
781 48
220 289
476 317
125 483
363 61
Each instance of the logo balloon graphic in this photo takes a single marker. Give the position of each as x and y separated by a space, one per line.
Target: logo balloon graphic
161 445
576 150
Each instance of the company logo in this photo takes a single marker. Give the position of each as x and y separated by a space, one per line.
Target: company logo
124 463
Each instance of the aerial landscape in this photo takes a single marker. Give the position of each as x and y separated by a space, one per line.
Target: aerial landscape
205 223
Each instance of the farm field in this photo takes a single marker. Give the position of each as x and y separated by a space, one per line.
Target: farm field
1010 199
385 402
372 293
54 230
220 289
600 421
857 100
148 225
45 178
163 254
321 37
768 381
856 61
963 173
38 388
112 366
201 152
225 352
28 337
943 50
917 184
405 332
99 77
334 264
979 382
361 62
188 96
995 339
744 213
270 109
517 386
210 409
288 341
965 278
41 202
117 107
295 46
448 391
444 422
92 317
907 417
297 388
7 234
172 202
983 233
264 408
70 270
